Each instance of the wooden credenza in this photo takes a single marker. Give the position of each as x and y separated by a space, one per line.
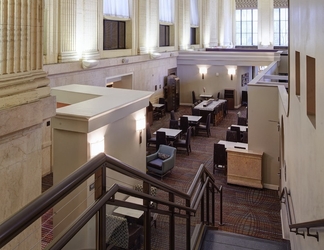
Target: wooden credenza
229 95
244 167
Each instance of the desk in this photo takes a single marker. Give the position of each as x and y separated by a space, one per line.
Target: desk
242 128
206 96
129 211
169 132
231 144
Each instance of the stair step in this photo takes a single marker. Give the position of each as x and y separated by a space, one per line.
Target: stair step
220 240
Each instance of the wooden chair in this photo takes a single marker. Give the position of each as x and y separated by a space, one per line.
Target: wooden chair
245 137
184 143
149 139
238 131
195 111
172 116
241 121
162 110
160 139
205 127
173 124
195 101
220 158
184 125
231 136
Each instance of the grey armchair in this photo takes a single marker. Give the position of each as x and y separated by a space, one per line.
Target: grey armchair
162 161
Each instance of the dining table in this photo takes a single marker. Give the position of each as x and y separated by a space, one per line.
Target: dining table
231 144
242 128
170 132
130 212
193 119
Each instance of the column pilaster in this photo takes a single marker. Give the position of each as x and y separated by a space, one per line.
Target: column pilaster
90 30
68 31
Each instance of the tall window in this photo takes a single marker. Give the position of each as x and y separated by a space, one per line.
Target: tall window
116 8
247 27
280 16
164 35
246 22
166 14
194 21
114 36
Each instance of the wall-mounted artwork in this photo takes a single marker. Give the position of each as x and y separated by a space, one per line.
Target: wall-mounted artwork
245 79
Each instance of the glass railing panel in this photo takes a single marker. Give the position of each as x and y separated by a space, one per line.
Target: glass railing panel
122 229
85 238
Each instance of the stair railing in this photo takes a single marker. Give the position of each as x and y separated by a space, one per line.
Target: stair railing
202 185
296 227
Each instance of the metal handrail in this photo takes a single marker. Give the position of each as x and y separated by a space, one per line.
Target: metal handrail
32 211
295 227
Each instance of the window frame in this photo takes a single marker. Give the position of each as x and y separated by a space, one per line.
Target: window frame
166 35
253 26
280 32
119 22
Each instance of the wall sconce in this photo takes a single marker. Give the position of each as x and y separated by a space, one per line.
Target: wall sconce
231 70
87 64
155 55
140 125
97 147
203 71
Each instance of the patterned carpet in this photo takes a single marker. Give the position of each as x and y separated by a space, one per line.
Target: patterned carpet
247 211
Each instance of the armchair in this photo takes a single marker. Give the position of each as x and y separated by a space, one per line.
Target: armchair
122 235
162 161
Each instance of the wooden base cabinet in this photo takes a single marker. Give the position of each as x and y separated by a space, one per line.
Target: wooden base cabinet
244 167
229 95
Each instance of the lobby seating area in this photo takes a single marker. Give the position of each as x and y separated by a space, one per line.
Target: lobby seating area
183 172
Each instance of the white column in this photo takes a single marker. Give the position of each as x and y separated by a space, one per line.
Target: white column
68 31
209 19
265 24
50 30
143 26
90 30
184 24
227 22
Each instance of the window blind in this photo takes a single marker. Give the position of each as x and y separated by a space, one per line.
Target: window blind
246 4
116 8
194 13
280 4
166 11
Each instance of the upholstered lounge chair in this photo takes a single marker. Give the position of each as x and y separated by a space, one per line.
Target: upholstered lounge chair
121 235
162 161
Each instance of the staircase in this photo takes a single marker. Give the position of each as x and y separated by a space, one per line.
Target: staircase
220 240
